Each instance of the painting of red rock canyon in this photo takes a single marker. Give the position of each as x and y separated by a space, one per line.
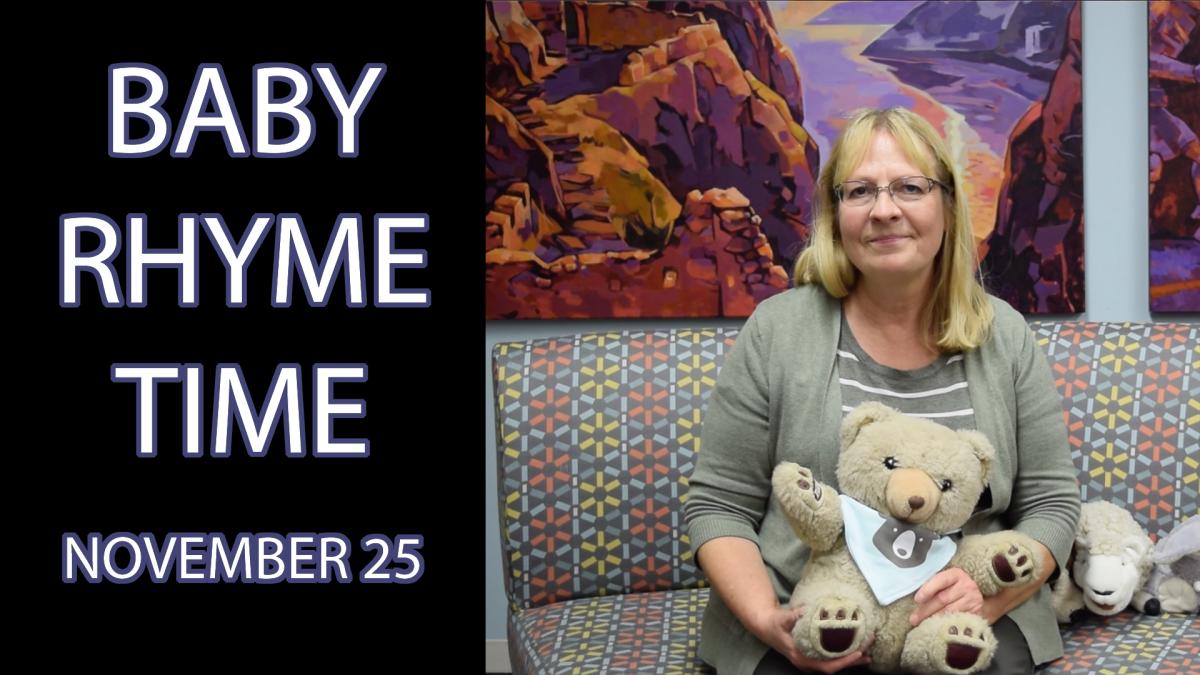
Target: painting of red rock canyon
1174 44
657 159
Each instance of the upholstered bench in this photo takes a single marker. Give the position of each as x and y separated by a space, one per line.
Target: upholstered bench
597 435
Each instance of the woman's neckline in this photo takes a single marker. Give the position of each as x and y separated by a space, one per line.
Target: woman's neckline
869 362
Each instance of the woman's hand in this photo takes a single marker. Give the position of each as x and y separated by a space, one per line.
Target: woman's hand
950 590
775 629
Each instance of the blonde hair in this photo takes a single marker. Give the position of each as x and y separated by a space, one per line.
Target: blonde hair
958 309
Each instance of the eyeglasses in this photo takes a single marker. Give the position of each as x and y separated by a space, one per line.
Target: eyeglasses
906 189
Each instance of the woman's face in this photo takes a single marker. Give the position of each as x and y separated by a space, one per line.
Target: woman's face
887 239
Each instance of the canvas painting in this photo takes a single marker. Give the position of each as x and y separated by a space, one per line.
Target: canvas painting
658 159
1174 44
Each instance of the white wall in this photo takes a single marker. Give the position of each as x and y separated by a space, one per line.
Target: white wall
1115 242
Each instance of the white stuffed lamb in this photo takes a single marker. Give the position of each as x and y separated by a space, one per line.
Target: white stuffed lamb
1110 568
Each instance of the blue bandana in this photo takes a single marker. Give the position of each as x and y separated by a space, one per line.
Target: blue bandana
895 557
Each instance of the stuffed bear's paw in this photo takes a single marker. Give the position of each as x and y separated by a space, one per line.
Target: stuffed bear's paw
836 627
957 643
1013 564
796 488
966 645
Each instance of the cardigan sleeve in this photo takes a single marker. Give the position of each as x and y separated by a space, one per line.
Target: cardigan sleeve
1045 496
729 489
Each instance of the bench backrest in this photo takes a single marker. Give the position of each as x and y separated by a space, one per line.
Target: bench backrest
598 434
1131 401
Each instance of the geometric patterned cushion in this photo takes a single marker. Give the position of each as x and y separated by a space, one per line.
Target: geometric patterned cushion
597 436
634 633
1131 401
1131 643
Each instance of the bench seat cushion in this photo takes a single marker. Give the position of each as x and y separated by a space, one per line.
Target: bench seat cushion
660 632
1130 643
655 632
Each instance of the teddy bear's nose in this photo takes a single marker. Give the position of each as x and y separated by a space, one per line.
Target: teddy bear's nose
916 502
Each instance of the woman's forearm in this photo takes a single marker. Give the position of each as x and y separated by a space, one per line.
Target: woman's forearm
735 568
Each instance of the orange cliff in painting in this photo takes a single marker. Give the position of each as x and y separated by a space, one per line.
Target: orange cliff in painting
641 162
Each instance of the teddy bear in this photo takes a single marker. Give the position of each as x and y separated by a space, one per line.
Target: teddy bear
1110 564
908 485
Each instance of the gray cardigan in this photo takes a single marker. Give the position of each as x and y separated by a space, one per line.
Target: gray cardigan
777 399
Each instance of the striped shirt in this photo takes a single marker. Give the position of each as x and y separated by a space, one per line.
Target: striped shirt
937 391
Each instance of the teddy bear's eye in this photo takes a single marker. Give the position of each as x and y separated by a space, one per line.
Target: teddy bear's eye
946 485
890 463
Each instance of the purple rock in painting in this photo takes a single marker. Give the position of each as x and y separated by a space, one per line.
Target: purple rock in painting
988 61
1034 256
1021 35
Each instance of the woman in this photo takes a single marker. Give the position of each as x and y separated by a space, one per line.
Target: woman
887 307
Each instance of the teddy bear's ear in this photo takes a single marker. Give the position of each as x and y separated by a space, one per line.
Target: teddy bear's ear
983 450
866 413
